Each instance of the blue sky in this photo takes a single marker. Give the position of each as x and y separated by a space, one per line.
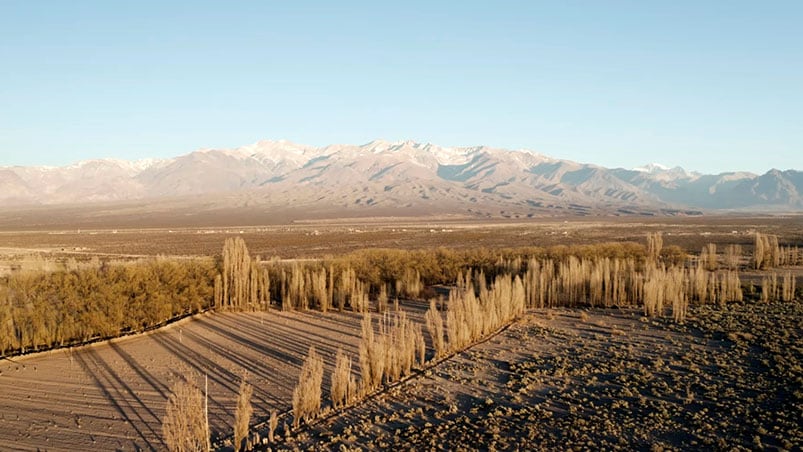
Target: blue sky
707 85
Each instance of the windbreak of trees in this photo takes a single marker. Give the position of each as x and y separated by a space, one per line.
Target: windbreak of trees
608 274
40 310
75 303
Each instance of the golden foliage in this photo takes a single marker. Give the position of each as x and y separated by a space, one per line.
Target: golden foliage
307 394
243 414
184 426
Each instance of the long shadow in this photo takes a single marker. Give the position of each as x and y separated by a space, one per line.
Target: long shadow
320 324
244 334
245 363
217 374
324 321
273 335
199 363
288 334
88 369
212 346
112 375
203 366
247 342
155 384
238 360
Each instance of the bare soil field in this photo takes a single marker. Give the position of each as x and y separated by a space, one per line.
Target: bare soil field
730 378
112 396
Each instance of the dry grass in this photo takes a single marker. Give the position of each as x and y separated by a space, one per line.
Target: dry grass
403 342
655 242
470 317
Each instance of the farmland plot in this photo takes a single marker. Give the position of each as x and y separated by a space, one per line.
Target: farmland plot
112 395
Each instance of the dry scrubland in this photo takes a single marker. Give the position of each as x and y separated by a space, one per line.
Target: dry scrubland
674 340
319 239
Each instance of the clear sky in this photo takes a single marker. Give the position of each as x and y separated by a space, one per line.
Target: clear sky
707 85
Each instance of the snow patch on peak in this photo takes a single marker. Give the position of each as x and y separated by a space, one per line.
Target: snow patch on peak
451 156
134 166
651 168
270 147
376 146
234 153
418 151
143 164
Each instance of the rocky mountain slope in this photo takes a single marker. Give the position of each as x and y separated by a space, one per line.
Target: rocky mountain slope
385 176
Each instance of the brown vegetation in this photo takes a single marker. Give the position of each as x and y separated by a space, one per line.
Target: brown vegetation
614 382
242 416
39 310
435 328
245 285
487 289
343 384
654 244
45 309
307 394
184 427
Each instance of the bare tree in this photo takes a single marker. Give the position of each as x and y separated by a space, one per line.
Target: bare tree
272 424
654 244
307 394
435 327
342 382
184 426
243 415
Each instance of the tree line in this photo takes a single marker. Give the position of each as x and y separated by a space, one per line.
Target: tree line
41 310
79 303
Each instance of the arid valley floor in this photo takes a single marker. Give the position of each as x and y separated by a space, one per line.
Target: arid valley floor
583 378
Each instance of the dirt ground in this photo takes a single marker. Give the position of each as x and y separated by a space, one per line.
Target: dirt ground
600 379
557 379
112 396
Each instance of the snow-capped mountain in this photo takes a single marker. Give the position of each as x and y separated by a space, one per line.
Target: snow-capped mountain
477 180
651 168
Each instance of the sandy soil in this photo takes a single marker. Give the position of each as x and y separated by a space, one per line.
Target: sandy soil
589 380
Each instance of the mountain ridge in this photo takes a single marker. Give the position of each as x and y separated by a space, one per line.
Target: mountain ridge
476 180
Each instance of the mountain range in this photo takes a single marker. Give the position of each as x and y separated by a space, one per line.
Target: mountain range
383 177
